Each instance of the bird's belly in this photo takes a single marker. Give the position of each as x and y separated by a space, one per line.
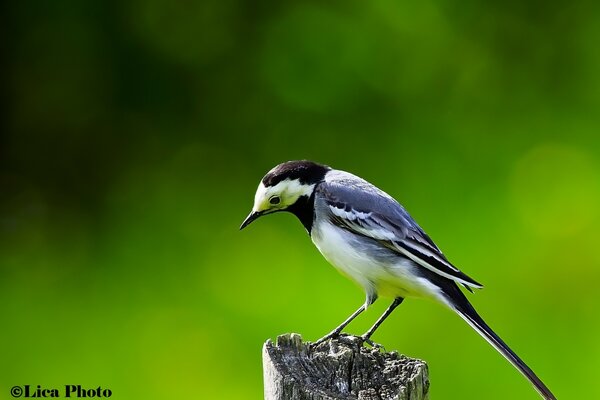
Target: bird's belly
341 250
372 266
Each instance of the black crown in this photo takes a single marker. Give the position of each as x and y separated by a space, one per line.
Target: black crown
307 172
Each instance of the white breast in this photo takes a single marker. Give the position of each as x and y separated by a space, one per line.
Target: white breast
335 245
391 279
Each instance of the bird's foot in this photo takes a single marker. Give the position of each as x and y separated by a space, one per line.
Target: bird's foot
331 335
371 343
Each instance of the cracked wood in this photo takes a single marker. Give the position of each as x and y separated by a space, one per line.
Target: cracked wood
338 369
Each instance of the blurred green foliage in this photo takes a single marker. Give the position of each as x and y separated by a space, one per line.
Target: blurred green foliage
135 133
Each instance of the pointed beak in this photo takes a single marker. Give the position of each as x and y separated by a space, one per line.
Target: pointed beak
251 217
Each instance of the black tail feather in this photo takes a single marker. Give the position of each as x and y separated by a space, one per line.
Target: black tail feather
462 306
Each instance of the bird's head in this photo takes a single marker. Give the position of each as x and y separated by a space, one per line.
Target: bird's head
284 187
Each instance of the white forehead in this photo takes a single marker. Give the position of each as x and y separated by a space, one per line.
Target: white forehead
289 187
261 192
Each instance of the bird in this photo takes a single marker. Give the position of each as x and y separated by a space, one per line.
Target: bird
370 238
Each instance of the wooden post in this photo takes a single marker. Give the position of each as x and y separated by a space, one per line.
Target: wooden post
339 369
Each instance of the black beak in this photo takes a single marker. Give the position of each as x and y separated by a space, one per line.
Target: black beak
251 217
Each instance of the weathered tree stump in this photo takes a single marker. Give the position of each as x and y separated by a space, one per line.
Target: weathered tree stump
339 369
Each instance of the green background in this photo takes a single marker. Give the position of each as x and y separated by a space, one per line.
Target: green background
135 133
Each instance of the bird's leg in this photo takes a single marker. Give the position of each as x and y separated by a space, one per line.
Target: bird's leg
336 332
367 336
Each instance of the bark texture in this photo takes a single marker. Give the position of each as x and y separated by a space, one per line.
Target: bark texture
338 369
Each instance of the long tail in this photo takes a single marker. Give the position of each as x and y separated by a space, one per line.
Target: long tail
462 306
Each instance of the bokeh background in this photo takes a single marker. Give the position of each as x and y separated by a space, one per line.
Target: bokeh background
135 133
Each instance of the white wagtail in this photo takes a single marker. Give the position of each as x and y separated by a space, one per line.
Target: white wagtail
369 237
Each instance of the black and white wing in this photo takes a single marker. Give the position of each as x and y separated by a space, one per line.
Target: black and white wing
363 209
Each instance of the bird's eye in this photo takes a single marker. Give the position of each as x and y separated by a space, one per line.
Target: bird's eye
274 200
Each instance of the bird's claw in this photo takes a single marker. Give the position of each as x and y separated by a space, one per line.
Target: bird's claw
331 335
371 343
355 339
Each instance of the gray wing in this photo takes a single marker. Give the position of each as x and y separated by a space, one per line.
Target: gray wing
363 209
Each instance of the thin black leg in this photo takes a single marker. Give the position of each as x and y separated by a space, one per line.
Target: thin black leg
336 332
367 336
